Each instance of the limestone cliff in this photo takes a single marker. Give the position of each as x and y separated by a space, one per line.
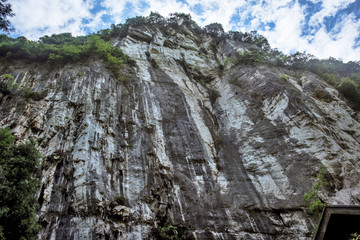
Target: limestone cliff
217 150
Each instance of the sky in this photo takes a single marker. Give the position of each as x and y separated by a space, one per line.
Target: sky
322 28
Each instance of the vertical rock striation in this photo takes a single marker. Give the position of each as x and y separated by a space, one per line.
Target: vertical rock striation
219 151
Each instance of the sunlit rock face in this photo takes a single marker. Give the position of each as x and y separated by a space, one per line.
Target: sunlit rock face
218 150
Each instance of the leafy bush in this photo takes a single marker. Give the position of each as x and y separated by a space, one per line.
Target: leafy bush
169 232
114 64
7 76
63 49
173 232
156 18
80 74
332 79
252 37
253 56
351 91
312 196
34 95
136 21
19 181
62 38
284 76
7 85
214 29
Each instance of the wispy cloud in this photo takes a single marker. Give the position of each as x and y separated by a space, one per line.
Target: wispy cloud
36 18
320 27
339 45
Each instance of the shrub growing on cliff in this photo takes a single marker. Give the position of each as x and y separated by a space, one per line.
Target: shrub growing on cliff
250 57
62 49
173 232
332 79
214 29
350 90
312 196
169 232
19 181
7 84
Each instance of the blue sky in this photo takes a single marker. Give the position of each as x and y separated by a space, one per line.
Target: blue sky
322 28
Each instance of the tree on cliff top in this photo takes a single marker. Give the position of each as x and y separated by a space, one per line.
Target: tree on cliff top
5 11
19 181
214 29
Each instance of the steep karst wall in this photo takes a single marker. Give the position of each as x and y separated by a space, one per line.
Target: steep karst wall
219 152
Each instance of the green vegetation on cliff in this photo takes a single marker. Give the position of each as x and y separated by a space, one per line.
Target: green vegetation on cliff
19 182
64 48
312 196
343 76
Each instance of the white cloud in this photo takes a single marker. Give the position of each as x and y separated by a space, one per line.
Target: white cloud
286 17
329 8
115 9
338 46
289 20
287 31
36 18
165 7
216 11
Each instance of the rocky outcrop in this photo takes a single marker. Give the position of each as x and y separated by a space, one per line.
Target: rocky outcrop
213 149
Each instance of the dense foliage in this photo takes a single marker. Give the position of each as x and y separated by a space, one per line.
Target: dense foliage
63 48
5 11
19 181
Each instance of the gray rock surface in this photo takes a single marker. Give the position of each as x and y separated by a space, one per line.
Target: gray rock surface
218 153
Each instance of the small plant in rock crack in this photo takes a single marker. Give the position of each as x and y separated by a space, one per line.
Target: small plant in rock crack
169 232
8 86
8 76
312 196
284 76
80 74
34 95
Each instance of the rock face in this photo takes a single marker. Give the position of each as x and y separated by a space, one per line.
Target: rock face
215 150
